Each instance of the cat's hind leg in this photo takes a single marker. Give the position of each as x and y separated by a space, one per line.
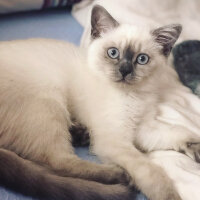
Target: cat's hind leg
53 146
31 179
69 164
37 130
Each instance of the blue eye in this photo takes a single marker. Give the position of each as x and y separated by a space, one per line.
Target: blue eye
143 59
113 53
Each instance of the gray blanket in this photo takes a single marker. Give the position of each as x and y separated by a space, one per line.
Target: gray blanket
187 64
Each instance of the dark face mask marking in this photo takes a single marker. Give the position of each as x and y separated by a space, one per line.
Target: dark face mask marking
126 63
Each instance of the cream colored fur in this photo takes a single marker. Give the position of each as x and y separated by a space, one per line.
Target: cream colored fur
168 113
45 83
42 87
183 170
36 81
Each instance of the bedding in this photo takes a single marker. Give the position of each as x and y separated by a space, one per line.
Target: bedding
56 24
8 6
151 13
187 64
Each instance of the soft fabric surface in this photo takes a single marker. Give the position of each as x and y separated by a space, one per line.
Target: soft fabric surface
58 24
7 6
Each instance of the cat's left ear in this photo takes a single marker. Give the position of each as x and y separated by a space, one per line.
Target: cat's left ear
101 21
166 36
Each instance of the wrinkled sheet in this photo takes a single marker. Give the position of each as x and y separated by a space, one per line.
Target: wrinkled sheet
151 13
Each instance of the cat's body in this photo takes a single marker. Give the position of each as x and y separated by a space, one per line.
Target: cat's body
35 90
45 83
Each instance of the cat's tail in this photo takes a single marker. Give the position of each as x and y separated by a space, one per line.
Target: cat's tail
30 179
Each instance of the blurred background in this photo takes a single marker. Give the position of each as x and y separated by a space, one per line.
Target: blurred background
69 19
21 19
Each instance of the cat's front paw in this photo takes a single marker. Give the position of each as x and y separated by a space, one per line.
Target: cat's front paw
165 190
155 183
118 175
170 195
162 189
192 148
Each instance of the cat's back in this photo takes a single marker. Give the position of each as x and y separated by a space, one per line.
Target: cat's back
36 62
35 52
36 43
36 68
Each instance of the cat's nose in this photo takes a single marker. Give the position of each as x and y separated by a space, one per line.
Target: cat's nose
126 69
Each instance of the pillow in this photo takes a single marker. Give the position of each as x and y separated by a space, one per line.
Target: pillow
8 6
187 63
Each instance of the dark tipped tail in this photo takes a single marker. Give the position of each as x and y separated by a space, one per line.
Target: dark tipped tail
33 180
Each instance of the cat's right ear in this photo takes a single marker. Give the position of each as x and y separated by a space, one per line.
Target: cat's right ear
166 36
101 21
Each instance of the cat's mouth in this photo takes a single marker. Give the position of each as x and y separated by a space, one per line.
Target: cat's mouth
123 80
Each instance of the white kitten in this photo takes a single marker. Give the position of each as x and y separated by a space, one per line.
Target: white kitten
115 92
36 88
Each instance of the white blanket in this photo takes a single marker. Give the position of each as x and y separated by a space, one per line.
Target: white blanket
145 13
184 171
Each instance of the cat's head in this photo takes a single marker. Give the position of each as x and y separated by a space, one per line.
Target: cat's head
126 54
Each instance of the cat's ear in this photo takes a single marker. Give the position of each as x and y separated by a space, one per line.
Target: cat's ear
166 36
101 21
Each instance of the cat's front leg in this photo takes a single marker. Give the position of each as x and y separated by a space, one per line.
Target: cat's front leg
181 127
161 134
189 145
148 177
50 143
194 149
64 162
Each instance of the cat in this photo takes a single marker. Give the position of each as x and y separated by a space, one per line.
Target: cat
44 84
35 144
182 170
152 113
150 117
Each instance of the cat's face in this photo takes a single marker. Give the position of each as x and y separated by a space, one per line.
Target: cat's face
125 54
